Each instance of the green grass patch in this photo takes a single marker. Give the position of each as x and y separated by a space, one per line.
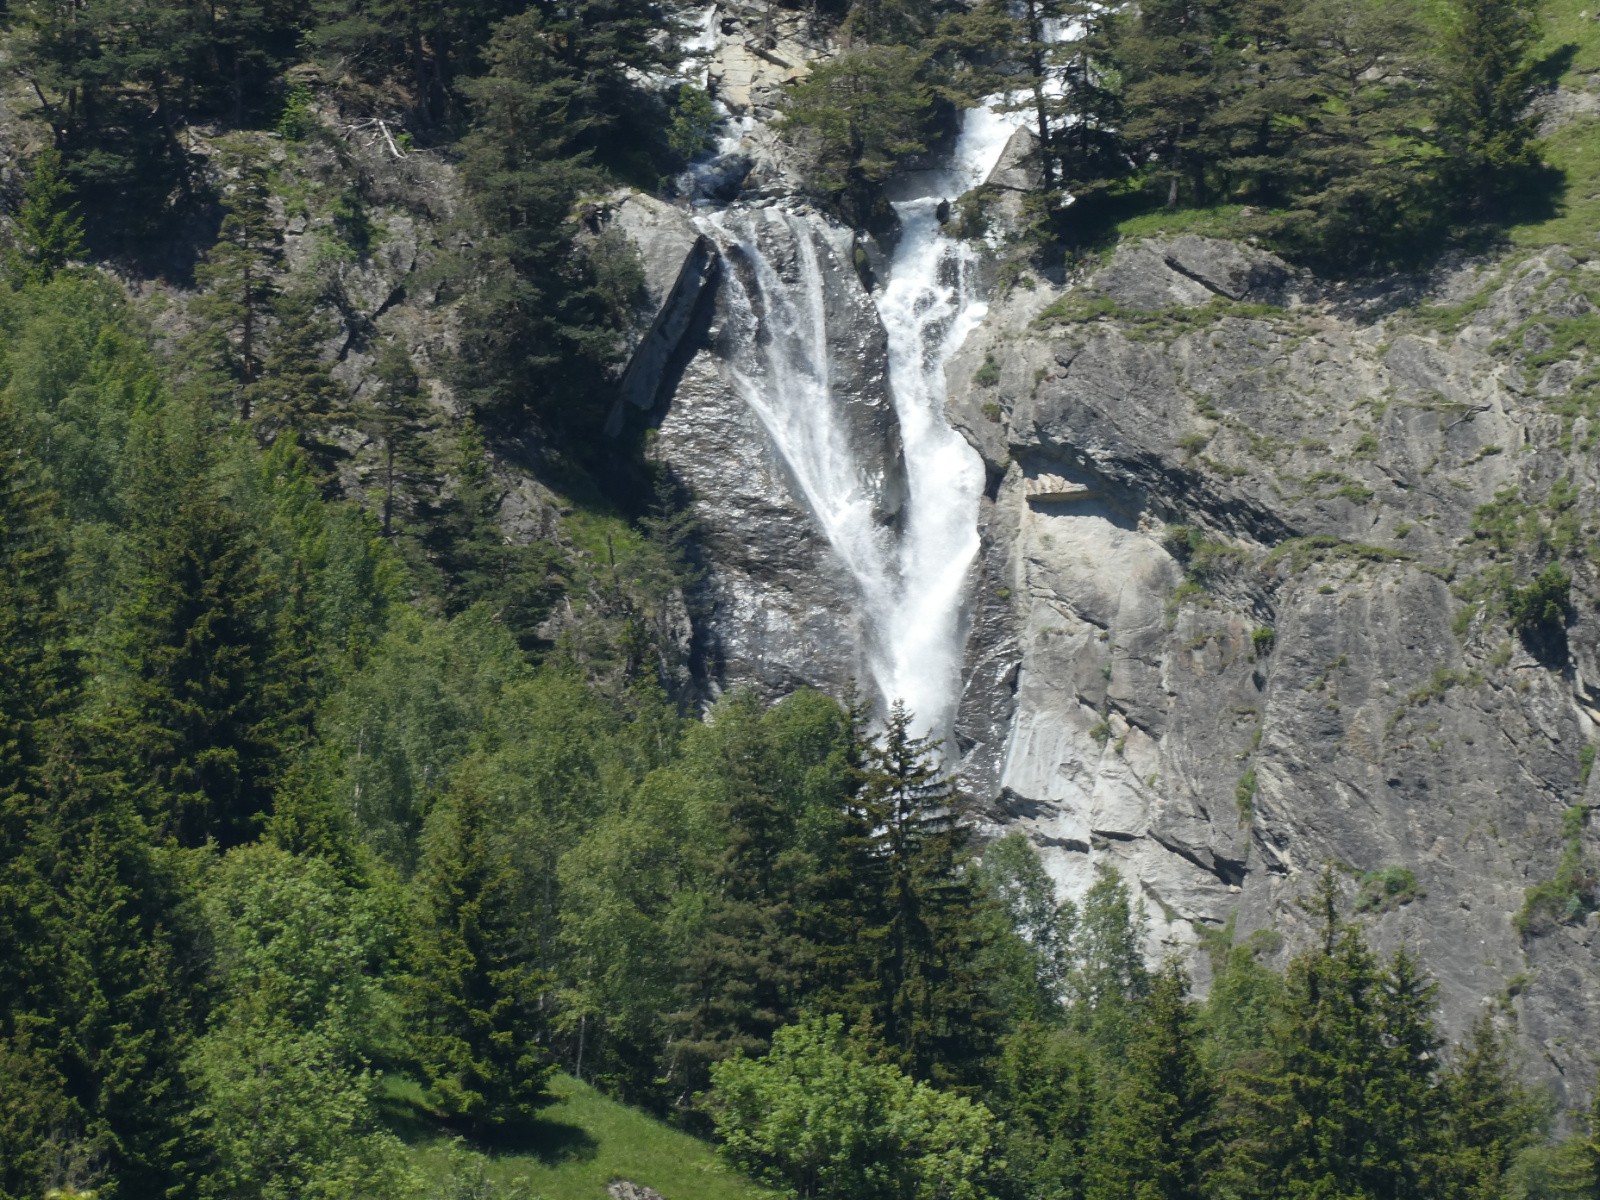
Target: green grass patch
1299 553
1221 221
581 1143
1570 30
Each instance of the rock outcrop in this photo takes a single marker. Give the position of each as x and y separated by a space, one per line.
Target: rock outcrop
1252 535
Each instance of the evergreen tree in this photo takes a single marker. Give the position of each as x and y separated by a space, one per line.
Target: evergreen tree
1168 52
857 116
1347 1105
1046 1094
1151 1141
396 416
194 724
294 392
1485 122
49 229
742 980
104 990
474 984
238 272
1359 180
933 1008
35 667
1107 975
1489 1116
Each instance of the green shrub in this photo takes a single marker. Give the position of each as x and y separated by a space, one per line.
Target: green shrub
1244 794
1573 893
1387 889
1262 639
1543 604
297 119
988 375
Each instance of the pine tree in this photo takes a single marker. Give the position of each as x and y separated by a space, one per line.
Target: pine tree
1168 52
1488 80
1347 1105
48 226
933 1007
104 991
1151 1141
295 392
1046 1093
396 416
474 985
742 976
194 726
1489 1116
238 272
1360 176
35 668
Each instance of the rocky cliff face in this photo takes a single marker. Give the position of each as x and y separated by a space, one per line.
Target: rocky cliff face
1262 633
1240 605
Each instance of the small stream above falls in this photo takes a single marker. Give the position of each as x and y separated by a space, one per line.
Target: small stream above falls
900 512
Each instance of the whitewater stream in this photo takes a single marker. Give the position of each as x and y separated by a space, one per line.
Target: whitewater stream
911 574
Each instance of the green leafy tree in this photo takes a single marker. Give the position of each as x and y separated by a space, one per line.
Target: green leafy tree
49 229
1107 976
818 1118
1029 952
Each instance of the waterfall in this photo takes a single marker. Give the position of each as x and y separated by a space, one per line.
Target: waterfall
911 574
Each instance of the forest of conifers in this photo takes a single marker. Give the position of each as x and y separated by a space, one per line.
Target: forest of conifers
305 800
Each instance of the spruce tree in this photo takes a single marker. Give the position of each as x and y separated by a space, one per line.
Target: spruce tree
294 392
193 719
238 273
475 988
1489 1117
397 417
742 980
105 978
1488 81
49 230
934 1010
1151 1140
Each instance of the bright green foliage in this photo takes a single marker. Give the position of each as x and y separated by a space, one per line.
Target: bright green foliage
34 665
856 116
301 960
48 226
1244 998
1152 1139
1108 974
475 983
818 1118
1027 958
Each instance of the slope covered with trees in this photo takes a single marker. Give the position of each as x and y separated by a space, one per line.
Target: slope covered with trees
316 786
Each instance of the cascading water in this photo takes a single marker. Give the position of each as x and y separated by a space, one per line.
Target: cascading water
912 580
